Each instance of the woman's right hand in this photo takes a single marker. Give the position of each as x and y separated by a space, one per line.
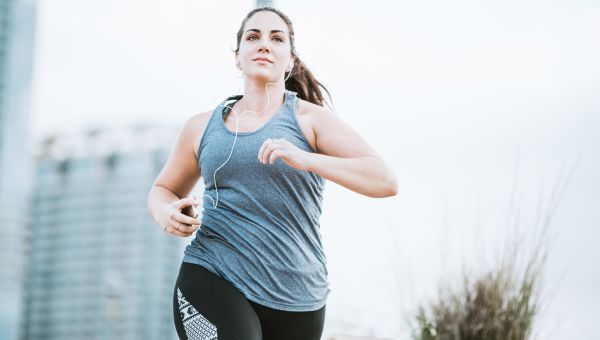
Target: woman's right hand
176 222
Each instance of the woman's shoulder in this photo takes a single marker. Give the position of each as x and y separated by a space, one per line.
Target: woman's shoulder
311 113
195 127
309 117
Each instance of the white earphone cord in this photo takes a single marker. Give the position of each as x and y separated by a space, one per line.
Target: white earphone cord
215 203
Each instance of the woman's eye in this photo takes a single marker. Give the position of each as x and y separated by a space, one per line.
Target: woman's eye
254 36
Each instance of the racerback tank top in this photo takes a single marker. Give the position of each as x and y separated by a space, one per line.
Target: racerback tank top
263 236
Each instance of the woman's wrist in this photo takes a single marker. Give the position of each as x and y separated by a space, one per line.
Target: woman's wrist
313 160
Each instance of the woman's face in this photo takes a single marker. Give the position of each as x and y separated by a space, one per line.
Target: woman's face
265 36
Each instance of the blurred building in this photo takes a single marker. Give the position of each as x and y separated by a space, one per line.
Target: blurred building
17 27
100 267
264 3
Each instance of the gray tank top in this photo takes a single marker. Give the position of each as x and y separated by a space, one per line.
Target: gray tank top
263 236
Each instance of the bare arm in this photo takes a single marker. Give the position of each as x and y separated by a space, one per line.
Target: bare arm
345 158
168 195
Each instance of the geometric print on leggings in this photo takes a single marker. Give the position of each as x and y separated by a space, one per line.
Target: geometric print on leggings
196 326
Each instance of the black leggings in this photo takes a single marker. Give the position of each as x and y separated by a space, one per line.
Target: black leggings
206 306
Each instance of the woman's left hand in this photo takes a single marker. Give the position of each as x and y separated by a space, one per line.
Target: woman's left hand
271 149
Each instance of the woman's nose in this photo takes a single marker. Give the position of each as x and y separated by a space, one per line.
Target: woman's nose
264 45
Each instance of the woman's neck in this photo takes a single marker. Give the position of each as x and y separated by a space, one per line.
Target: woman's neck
255 97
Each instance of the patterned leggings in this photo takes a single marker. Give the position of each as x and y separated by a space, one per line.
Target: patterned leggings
206 307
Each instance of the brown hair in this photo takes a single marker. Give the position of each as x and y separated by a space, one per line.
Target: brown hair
301 80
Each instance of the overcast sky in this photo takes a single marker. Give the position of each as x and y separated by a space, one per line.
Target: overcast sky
450 93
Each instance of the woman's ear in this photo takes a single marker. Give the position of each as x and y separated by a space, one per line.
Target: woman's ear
237 62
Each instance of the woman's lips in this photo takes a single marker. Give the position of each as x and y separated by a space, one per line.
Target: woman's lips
260 61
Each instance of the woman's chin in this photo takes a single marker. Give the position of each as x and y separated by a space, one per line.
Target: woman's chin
262 76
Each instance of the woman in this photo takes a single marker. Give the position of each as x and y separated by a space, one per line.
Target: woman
256 268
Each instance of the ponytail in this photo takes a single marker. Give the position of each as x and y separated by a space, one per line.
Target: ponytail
306 85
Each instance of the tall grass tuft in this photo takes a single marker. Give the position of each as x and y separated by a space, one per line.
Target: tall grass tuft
500 304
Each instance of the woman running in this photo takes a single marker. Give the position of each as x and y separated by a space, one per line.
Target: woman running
256 267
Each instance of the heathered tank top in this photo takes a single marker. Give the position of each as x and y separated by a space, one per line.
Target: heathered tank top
263 236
